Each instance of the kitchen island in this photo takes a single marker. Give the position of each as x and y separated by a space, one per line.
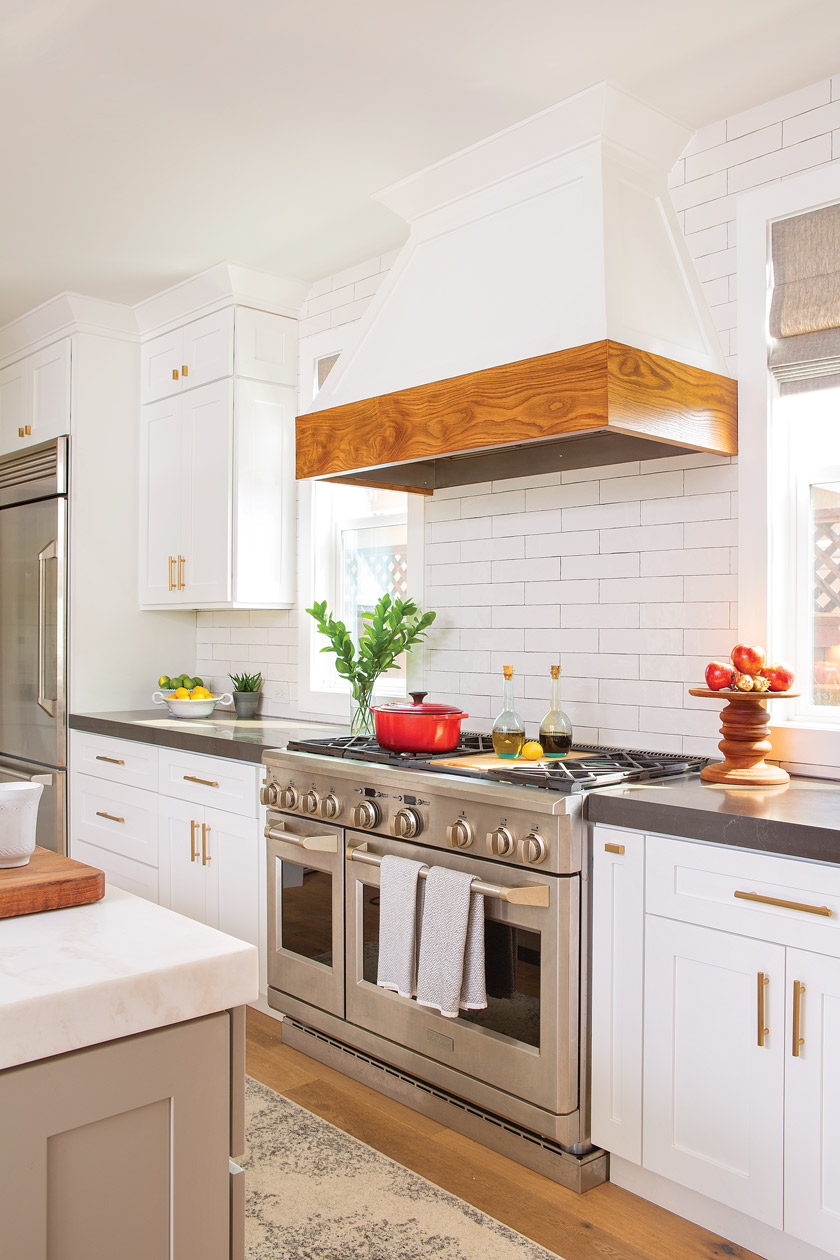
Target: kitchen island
121 1083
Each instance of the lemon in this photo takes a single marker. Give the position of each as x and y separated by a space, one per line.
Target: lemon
532 751
182 694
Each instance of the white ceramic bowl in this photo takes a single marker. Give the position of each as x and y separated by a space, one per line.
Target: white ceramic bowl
18 820
192 708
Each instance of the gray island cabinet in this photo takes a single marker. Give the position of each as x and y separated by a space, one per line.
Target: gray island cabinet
122 1084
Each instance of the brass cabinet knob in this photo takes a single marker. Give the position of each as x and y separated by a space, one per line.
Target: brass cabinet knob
174 374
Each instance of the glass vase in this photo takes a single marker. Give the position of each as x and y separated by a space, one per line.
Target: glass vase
361 722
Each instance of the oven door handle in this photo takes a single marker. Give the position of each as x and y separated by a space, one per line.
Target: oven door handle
317 844
515 894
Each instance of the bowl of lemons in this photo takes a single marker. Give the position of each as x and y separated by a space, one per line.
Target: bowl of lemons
187 697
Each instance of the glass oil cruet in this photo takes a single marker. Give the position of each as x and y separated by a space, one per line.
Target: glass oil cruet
555 728
508 730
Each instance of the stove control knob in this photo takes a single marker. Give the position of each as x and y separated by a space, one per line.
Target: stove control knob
268 794
460 835
533 849
366 814
406 823
310 803
330 806
500 843
288 798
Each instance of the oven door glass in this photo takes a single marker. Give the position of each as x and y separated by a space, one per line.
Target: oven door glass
305 897
526 1040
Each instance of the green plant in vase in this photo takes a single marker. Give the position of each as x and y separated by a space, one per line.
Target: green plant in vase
393 627
246 693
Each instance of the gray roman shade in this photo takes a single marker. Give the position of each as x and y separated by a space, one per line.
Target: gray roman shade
805 307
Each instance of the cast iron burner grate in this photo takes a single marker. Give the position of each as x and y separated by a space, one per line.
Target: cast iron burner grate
599 767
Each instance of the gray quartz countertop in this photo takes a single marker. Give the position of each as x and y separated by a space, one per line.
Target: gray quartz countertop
799 819
222 735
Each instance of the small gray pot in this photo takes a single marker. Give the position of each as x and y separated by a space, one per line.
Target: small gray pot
246 703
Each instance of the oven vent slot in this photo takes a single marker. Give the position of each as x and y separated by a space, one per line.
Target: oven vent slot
577 1172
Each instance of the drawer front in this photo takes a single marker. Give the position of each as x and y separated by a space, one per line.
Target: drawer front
111 816
738 892
118 760
120 872
213 781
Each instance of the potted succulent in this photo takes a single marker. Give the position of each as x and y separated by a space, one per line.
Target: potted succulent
392 628
246 693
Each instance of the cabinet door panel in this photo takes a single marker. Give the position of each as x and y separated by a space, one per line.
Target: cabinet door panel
14 412
208 349
266 346
160 366
232 847
182 879
164 482
714 1097
208 416
618 926
264 496
113 816
812 1103
50 407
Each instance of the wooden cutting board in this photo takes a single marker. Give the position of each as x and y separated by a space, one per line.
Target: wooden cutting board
490 761
48 882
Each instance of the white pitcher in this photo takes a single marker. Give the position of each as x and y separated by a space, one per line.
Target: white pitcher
18 820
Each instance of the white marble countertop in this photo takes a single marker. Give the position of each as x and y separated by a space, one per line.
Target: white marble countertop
77 977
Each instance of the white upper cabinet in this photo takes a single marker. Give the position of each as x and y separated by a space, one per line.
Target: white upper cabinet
252 344
35 398
217 500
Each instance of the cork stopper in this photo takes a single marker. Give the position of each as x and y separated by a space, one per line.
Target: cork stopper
507 670
555 671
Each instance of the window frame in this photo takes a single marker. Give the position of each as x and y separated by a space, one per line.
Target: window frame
800 742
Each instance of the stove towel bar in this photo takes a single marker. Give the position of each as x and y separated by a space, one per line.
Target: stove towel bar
516 894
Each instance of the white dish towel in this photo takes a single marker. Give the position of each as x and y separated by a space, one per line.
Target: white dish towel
450 973
397 969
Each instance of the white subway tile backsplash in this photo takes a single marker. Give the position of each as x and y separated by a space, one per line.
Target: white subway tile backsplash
712 588
639 539
453 529
750 145
779 109
797 157
713 616
604 516
615 564
493 504
641 590
554 544
537 570
493 549
575 494
697 507
813 122
527 523
654 485
518 615
596 615
691 561
646 692
583 592
663 642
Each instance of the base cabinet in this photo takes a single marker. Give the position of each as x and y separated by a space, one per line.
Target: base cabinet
716 1040
122 1149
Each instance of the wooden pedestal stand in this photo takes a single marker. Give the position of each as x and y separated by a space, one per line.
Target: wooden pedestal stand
744 725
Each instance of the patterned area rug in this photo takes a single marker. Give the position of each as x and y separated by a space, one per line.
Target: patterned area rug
316 1193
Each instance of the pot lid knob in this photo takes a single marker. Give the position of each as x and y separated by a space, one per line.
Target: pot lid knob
418 696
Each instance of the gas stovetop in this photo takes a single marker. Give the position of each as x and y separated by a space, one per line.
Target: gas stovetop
589 765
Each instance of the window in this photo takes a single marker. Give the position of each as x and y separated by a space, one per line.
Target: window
789 472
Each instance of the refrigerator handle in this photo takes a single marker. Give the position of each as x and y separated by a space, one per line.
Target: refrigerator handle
49 553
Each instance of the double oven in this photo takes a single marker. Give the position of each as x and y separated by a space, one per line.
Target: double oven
520 1064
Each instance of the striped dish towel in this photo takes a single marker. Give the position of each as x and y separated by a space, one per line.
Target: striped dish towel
450 973
397 968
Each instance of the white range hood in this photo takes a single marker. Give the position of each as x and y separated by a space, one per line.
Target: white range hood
556 233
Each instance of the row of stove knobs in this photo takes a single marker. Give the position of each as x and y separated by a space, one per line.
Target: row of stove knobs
407 823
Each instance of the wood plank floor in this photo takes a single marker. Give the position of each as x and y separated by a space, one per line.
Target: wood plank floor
607 1223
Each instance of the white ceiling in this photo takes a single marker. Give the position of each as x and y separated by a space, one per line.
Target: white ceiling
144 142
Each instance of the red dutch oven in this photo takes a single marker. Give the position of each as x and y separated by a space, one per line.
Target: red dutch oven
417 727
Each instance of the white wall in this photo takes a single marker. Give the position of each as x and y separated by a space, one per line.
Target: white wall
628 572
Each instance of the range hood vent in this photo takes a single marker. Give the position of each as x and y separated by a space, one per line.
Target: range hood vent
543 315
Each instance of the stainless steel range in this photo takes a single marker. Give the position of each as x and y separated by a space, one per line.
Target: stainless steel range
515 1075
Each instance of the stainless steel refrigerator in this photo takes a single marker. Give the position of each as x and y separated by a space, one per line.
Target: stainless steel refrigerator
33 628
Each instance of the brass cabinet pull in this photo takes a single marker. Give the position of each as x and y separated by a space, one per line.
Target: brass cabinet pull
182 560
193 845
613 848
185 371
763 1032
786 905
20 432
115 761
171 578
205 856
798 990
174 374
100 813
28 430
190 778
